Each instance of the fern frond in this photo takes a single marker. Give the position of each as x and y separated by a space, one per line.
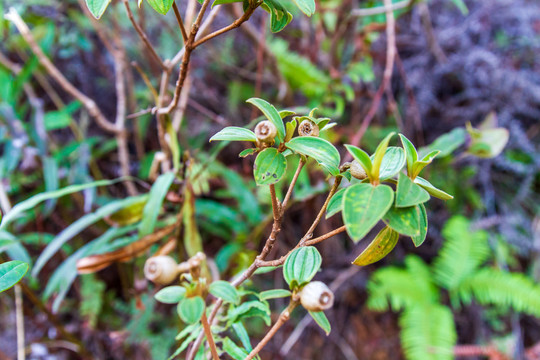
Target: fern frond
402 288
428 333
504 289
462 253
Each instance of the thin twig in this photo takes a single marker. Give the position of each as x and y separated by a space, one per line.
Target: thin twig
326 236
275 202
209 337
283 318
301 164
56 74
143 36
236 23
180 22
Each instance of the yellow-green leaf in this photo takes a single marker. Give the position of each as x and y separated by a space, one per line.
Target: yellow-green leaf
384 242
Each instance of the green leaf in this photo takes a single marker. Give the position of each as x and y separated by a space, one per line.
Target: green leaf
426 160
247 152
79 225
224 290
161 6
362 157
336 203
279 16
290 127
319 149
392 162
420 238
191 309
306 6
363 206
36 199
301 266
171 294
234 351
321 320
405 220
153 205
269 167
266 269
384 242
97 7
408 193
379 154
432 190
247 309
11 272
242 333
223 2
235 133
446 143
271 114
410 152
274 294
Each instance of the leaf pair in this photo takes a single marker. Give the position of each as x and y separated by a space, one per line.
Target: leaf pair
372 166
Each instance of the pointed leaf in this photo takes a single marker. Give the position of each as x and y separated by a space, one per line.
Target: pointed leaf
423 226
224 290
191 309
319 149
321 320
155 201
384 242
363 206
379 154
306 6
11 272
432 190
405 220
271 114
269 167
410 152
97 7
392 163
235 133
426 160
362 157
301 266
274 294
247 152
161 6
233 350
171 294
336 203
408 193
279 16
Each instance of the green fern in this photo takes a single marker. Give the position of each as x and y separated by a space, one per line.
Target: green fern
403 288
462 253
428 332
507 290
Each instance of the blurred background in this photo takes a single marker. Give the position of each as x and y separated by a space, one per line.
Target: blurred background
466 74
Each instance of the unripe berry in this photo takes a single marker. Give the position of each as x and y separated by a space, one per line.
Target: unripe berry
316 296
357 170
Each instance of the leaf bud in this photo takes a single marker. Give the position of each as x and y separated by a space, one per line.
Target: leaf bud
316 296
265 131
357 170
161 270
308 128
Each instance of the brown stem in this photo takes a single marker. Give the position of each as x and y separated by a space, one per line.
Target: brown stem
275 203
143 36
283 318
180 22
209 337
245 17
301 164
325 236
